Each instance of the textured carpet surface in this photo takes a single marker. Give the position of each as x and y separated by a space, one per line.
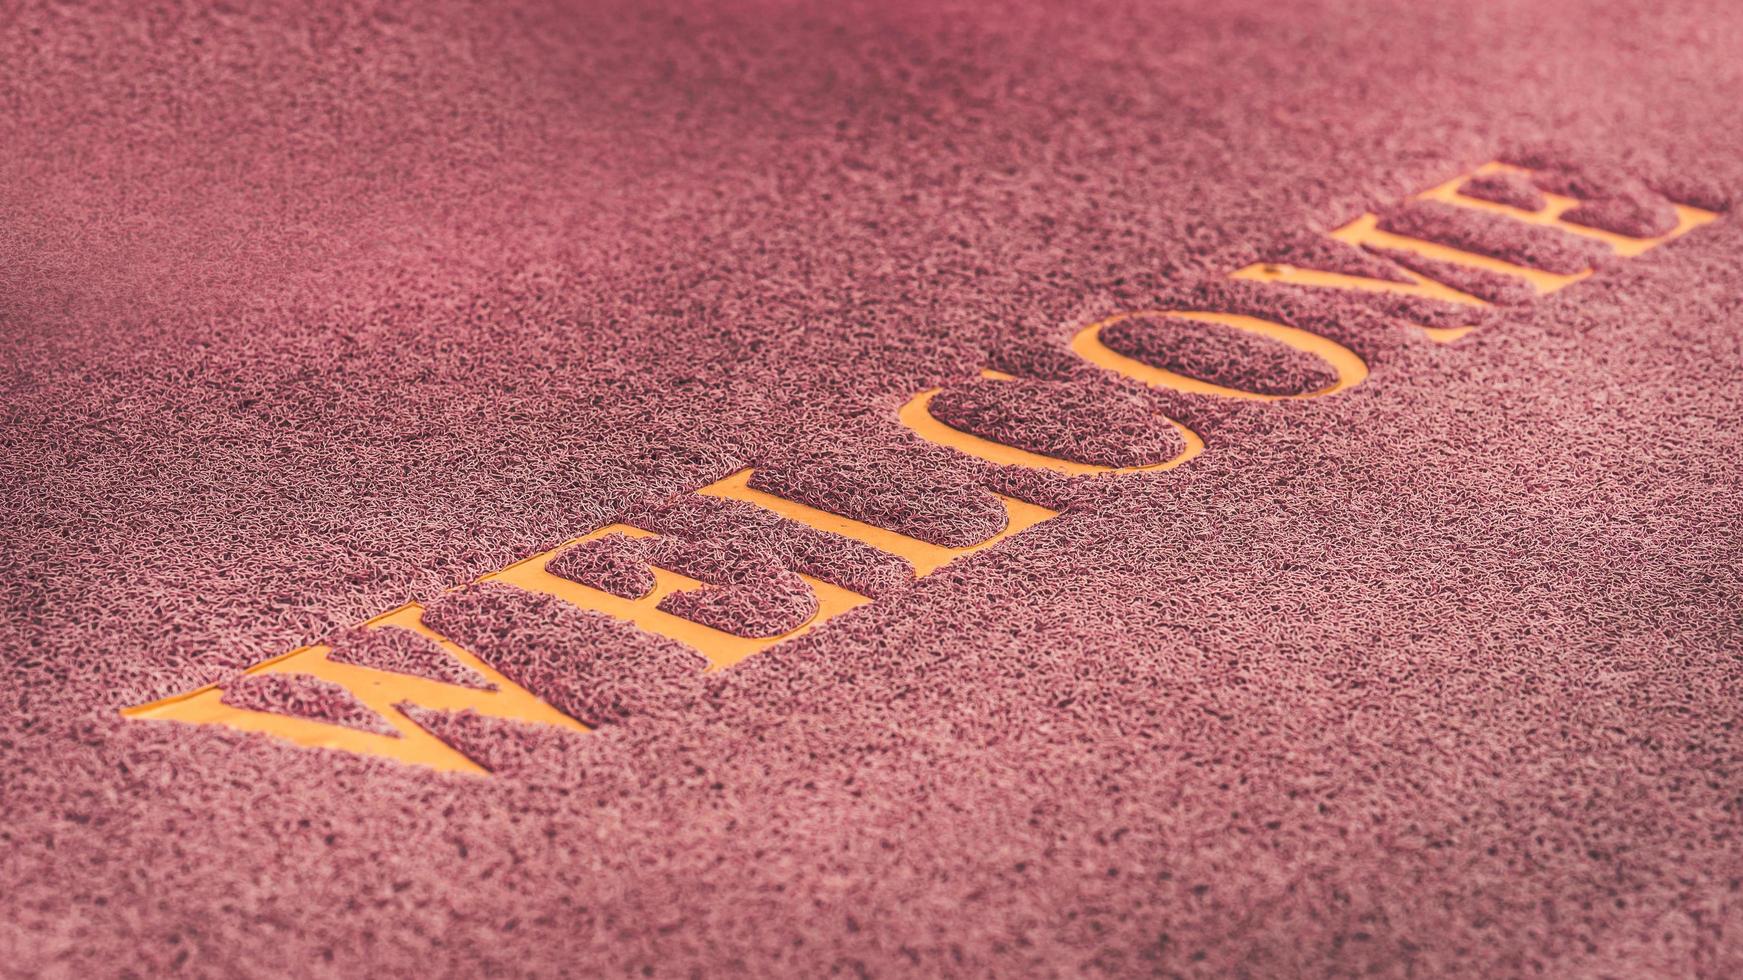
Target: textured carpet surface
310 313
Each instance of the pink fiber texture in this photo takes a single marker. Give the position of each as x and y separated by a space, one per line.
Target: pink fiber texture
1612 197
1310 250
402 651
1640 214
749 592
1219 354
1590 172
308 311
831 557
1490 287
1534 246
505 748
890 489
597 670
616 563
1508 187
1083 423
302 696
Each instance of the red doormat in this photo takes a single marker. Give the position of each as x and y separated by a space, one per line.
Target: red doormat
891 489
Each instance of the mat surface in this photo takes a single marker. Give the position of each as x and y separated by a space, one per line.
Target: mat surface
1426 663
